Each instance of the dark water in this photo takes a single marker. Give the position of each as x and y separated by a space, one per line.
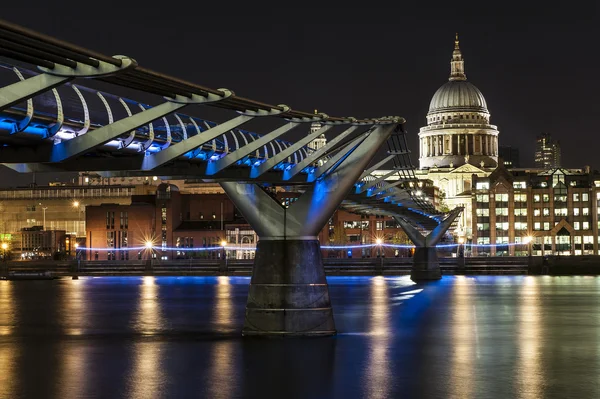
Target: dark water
178 337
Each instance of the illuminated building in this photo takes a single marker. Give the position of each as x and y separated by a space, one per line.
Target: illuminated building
547 152
558 208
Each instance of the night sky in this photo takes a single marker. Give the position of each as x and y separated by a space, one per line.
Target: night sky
537 65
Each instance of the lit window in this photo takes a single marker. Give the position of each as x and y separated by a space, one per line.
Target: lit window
576 225
546 198
560 211
546 211
483 212
520 211
585 197
576 211
519 184
585 211
536 197
537 212
501 211
522 198
537 226
520 226
585 225
546 226
501 197
482 198
482 186
575 197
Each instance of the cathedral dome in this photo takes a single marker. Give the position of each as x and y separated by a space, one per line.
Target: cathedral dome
458 95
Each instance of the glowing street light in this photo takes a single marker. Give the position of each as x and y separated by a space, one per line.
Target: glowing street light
4 248
223 243
378 241
528 240
149 244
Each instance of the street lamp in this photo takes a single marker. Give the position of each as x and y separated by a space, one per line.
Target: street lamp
4 248
76 204
44 223
528 240
224 261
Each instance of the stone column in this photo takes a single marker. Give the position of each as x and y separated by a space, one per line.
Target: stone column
466 144
443 144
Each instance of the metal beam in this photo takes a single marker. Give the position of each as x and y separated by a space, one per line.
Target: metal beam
288 174
173 152
308 215
272 162
82 144
376 166
25 89
388 185
338 158
229 159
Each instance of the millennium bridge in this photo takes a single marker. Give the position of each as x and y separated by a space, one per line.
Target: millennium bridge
57 115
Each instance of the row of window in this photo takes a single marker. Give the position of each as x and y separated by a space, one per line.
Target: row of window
537 226
123 220
587 240
502 197
484 212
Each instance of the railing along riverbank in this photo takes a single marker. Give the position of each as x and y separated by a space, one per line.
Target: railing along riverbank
556 265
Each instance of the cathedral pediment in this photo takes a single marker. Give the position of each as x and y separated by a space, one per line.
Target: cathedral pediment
467 168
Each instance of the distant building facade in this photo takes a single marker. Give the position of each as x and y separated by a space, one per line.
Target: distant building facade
32 243
509 156
547 152
173 222
558 208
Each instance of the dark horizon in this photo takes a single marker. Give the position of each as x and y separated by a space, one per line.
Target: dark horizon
536 70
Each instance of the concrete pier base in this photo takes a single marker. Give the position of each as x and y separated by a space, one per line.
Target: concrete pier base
288 293
426 266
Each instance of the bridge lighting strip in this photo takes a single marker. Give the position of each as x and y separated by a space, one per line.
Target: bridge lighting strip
238 248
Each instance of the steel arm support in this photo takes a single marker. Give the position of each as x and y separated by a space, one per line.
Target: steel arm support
338 158
272 162
25 89
376 166
434 237
288 174
229 159
79 145
185 146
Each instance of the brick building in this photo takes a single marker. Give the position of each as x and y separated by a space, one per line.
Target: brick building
172 221
557 208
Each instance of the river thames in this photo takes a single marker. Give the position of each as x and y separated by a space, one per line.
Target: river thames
179 337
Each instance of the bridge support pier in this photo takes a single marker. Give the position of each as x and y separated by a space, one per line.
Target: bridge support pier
426 265
289 295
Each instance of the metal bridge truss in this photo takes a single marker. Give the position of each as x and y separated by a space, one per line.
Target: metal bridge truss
50 124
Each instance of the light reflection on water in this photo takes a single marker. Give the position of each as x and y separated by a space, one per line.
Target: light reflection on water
221 364
148 319
7 311
154 337
464 338
378 365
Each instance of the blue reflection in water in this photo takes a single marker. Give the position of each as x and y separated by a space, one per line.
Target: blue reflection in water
147 337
